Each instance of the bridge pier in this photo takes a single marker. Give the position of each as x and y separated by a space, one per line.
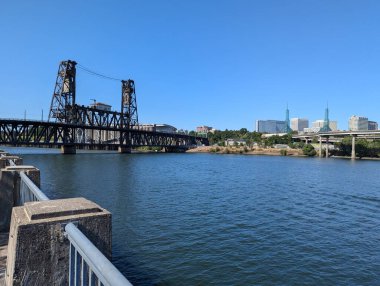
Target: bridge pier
353 152
327 147
320 146
68 149
124 149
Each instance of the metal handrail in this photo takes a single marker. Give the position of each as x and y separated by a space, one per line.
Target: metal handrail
96 263
36 192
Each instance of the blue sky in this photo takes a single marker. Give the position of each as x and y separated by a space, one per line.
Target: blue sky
219 63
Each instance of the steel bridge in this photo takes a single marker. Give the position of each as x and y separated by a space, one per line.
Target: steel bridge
72 126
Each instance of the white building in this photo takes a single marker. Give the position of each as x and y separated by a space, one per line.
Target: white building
101 106
317 125
298 124
357 123
235 142
164 128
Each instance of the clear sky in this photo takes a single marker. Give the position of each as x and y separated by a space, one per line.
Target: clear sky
198 62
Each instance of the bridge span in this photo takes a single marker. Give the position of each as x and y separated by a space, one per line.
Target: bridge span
335 136
71 126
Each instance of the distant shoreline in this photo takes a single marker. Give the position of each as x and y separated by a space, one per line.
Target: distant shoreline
264 151
247 151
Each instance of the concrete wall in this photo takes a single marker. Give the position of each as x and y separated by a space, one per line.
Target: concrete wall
38 249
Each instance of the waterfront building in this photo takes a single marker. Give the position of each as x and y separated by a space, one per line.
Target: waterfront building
270 126
372 125
298 124
357 123
204 129
235 142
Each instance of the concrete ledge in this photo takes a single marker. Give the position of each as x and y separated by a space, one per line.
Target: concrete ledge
60 208
4 160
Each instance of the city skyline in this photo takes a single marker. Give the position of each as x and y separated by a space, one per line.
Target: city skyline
224 65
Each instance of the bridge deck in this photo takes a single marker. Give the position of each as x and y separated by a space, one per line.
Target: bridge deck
3 256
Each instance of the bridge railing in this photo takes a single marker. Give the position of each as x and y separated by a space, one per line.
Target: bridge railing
87 265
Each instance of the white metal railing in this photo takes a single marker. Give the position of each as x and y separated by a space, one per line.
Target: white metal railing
29 192
88 266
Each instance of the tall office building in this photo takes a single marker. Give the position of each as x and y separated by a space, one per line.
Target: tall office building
270 126
298 124
358 123
372 125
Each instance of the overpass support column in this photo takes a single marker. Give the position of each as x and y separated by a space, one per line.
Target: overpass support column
353 152
320 146
327 147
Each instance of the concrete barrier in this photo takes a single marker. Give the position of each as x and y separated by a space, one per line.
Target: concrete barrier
38 253
38 248
4 160
10 190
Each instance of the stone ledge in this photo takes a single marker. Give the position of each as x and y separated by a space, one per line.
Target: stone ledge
60 208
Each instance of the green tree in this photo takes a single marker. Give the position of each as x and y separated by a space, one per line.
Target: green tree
309 150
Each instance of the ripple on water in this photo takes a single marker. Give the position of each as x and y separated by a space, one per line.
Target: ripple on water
200 219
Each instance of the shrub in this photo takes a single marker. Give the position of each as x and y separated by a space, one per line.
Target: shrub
309 150
283 152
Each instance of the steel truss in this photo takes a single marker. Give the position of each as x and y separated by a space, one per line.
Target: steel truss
36 133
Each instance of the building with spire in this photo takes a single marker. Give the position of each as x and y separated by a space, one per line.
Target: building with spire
287 121
326 121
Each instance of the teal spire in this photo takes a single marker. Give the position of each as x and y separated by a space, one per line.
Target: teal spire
287 121
326 122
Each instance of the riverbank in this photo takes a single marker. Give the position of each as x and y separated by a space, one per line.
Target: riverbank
247 151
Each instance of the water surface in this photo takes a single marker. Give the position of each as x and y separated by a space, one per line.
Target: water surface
209 219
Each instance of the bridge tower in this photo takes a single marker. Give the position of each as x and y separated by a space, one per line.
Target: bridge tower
63 100
128 117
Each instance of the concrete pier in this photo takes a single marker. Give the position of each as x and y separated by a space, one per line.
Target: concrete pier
10 190
38 252
353 152
320 146
124 149
68 149
327 147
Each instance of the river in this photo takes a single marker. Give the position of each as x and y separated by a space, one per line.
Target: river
210 219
